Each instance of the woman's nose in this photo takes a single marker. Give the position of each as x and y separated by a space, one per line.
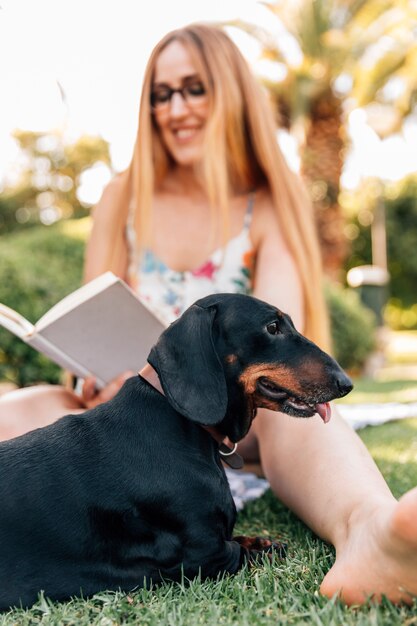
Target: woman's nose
178 105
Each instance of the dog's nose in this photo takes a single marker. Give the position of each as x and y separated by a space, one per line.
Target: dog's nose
344 384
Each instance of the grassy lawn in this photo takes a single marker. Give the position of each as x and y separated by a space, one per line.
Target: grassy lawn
277 593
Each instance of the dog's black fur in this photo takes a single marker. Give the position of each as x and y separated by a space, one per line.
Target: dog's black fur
134 490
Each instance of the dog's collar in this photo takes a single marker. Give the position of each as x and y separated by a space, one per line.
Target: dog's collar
150 375
229 455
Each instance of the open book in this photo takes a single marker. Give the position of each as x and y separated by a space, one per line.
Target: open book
102 329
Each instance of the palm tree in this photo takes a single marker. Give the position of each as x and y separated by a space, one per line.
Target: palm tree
352 53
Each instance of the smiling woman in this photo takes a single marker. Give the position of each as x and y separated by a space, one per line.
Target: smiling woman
179 102
207 173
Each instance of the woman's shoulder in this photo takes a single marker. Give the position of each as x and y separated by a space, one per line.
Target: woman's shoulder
118 185
114 198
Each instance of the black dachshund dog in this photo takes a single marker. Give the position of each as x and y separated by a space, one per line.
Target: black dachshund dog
134 490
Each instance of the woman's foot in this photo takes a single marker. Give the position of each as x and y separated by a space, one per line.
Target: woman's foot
379 557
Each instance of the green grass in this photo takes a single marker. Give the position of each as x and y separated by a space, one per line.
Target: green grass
394 448
271 593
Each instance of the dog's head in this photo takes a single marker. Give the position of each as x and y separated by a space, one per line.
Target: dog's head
229 354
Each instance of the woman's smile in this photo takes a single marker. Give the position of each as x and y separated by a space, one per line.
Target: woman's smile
185 134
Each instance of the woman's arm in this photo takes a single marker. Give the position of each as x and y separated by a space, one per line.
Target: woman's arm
276 276
106 249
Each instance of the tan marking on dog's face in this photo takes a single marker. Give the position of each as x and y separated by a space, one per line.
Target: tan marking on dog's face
230 359
281 375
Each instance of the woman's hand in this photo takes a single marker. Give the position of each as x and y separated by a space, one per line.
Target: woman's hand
91 397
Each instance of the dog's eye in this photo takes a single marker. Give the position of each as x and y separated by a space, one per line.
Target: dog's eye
273 328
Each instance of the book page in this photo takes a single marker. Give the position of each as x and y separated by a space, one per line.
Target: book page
60 358
107 334
87 291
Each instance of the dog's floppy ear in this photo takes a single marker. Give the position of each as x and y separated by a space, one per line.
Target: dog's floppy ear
189 368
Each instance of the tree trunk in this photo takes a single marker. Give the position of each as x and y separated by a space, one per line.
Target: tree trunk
322 162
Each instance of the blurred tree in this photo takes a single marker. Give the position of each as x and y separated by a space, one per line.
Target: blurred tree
49 180
350 53
400 199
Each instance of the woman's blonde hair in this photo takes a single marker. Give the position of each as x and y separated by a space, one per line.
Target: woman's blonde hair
241 152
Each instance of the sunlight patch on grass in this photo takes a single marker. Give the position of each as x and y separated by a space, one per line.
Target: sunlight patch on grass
402 457
368 391
402 347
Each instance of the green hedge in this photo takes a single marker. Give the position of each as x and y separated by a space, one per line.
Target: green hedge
38 267
353 327
41 265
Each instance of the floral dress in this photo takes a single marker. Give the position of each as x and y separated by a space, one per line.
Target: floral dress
169 292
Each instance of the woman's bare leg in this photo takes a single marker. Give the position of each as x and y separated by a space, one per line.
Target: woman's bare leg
25 409
324 473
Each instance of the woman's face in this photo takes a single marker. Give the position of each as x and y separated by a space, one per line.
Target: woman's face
180 116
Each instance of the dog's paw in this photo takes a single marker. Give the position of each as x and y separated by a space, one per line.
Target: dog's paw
256 547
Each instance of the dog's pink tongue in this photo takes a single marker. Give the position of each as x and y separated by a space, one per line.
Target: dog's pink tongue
324 411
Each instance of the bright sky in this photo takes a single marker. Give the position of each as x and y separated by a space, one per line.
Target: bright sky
97 51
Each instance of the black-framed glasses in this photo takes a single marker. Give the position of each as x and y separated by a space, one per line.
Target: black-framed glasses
192 93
